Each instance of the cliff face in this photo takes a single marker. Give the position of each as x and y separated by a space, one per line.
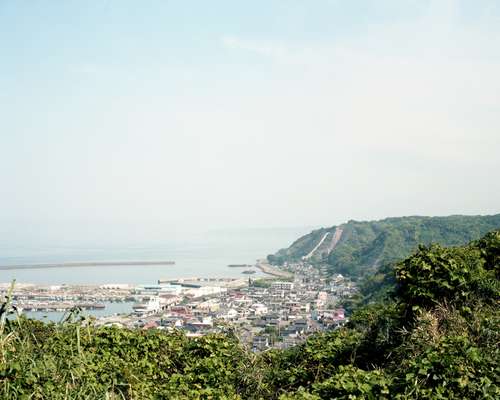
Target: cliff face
358 247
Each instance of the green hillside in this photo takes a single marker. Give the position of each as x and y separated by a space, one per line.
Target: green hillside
434 336
365 245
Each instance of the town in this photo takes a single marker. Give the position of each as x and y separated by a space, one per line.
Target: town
278 310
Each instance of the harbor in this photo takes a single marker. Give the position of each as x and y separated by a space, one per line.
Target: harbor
279 309
58 306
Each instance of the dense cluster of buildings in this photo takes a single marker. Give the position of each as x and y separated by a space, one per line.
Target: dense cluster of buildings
264 313
267 312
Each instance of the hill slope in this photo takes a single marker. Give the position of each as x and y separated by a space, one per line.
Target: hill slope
358 247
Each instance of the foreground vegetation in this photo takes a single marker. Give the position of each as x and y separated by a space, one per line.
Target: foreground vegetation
426 328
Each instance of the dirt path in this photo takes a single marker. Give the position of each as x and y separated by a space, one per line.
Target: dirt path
311 253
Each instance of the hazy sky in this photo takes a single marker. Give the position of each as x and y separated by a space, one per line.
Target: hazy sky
137 119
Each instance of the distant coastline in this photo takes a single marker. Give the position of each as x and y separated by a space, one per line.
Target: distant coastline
84 264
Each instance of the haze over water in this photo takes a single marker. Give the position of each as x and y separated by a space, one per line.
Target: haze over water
201 255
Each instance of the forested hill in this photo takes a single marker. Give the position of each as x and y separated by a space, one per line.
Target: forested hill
358 247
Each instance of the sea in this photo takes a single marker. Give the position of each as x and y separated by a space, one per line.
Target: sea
200 255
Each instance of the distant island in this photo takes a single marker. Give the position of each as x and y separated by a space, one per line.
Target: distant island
84 264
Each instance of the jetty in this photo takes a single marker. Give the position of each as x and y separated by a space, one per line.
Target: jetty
271 270
85 264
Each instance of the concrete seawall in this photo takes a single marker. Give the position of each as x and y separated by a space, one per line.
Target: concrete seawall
270 270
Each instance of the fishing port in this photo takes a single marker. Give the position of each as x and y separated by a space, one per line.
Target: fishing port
294 301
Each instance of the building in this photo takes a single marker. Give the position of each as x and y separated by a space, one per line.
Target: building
258 309
260 342
159 289
148 305
282 285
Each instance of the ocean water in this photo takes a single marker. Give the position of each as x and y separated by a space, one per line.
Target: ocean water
202 255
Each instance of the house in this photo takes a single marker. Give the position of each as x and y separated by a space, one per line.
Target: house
302 324
258 309
260 342
231 315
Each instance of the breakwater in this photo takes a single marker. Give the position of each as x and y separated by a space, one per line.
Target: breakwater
85 264
271 270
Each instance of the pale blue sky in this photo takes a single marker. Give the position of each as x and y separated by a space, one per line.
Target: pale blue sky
137 119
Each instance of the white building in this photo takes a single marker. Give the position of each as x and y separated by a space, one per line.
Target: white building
259 309
206 291
148 305
159 289
231 314
281 285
